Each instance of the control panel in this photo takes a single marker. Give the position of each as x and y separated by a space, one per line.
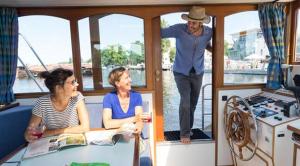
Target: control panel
272 108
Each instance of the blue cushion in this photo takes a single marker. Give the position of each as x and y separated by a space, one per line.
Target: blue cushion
145 161
13 123
145 131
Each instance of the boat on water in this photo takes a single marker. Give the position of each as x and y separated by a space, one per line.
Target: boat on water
251 123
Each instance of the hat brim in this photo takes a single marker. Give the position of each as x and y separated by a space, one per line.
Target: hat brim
205 20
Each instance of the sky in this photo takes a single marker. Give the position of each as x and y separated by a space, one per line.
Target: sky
50 36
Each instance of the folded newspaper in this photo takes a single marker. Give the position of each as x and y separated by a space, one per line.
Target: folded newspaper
107 137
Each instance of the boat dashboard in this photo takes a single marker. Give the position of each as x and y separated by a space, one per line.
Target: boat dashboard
271 108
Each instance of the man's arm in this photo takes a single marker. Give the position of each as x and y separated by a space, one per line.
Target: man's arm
168 32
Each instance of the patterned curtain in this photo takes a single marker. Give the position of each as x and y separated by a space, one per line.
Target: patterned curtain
8 53
272 22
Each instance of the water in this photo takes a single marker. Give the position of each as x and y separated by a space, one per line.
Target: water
171 99
170 93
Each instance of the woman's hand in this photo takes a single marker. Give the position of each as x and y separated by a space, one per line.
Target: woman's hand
127 128
138 128
31 133
138 118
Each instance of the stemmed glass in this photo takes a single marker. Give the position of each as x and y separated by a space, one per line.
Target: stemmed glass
38 131
146 117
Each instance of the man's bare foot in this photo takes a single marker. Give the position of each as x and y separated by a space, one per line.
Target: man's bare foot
185 140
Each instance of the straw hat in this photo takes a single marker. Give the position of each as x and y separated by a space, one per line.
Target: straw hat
196 14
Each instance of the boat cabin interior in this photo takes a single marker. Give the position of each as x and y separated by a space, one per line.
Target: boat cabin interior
248 112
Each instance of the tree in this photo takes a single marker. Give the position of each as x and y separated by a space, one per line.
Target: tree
165 43
226 48
172 54
137 56
113 55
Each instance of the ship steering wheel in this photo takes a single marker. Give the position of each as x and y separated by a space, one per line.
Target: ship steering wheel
238 125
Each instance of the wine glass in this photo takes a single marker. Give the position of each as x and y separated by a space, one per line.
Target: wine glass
146 117
38 131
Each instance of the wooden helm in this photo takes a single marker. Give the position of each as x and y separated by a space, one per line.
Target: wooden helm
238 124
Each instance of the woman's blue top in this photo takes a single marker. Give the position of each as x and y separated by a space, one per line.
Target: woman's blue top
111 101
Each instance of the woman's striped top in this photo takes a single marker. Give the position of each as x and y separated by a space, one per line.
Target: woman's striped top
54 119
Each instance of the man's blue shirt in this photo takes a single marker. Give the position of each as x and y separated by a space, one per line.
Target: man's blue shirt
189 48
111 101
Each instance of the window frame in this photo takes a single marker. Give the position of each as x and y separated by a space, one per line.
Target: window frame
295 7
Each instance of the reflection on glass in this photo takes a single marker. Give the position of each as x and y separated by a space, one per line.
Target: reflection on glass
245 50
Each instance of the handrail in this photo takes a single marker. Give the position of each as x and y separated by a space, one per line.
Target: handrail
203 98
29 73
31 48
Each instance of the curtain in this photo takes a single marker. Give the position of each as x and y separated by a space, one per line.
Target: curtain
8 53
272 22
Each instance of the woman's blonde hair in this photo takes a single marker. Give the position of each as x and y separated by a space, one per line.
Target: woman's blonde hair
115 75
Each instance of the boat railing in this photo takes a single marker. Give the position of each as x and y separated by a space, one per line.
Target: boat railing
203 106
31 48
29 73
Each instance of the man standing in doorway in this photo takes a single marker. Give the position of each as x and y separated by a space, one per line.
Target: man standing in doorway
192 39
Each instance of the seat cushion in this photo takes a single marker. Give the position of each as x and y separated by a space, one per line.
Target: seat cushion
13 123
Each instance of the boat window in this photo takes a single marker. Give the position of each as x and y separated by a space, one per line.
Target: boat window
51 45
297 59
109 41
245 51
171 97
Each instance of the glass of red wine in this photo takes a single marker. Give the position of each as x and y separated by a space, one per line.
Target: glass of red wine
146 117
38 131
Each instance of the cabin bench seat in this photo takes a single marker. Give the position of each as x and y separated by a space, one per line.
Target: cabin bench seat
13 123
95 111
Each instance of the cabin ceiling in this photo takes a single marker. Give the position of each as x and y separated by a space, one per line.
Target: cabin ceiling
65 3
